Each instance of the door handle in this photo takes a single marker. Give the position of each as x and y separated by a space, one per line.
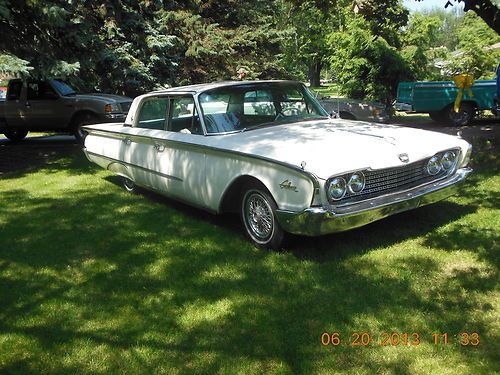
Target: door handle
159 147
127 141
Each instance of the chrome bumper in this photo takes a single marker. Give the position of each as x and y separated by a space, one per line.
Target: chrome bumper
316 221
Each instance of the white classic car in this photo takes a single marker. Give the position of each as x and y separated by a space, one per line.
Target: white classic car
268 151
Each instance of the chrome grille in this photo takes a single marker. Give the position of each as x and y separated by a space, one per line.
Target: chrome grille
389 180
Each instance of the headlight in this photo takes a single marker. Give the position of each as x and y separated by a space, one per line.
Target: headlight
356 182
448 160
434 165
108 108
337 188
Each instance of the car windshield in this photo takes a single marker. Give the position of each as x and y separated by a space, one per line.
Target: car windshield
251 105
62 87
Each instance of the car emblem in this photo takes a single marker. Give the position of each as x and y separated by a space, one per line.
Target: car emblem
404 158
287 185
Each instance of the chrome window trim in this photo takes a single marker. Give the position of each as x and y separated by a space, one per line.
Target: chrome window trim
170 177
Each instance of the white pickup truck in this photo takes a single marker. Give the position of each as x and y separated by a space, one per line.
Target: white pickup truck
52 105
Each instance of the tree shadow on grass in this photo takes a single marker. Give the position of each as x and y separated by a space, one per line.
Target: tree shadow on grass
52 153
131 284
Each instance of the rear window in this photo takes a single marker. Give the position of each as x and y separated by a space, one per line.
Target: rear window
14 91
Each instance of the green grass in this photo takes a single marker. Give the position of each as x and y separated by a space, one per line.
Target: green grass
328 89
94 280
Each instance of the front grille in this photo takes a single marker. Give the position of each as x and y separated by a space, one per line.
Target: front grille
390 180
125 106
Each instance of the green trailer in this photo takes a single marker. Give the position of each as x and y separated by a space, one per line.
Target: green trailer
438 97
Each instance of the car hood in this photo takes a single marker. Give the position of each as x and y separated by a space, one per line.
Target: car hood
104 97
330 147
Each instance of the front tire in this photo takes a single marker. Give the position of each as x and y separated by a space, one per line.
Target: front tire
82 120
258 213
15 135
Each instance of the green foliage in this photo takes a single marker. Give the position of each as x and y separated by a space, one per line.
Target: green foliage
305 45
13 66
474 53
132 47
366 65
420 35
384 18
438 45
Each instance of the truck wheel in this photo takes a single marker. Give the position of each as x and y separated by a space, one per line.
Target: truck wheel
15 135
438 116
258 213
78 122
464 115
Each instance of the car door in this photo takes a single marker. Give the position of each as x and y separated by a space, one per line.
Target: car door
139 149
14 107
46 109
180 158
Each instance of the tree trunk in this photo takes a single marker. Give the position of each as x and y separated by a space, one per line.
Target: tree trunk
314 73
486 10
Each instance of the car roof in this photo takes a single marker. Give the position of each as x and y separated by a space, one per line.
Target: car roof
199 88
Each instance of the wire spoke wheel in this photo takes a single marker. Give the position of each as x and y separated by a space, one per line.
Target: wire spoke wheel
258 215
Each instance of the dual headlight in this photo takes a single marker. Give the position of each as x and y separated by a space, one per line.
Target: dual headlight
339 186
444 161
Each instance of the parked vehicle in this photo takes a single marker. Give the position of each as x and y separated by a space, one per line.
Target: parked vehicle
352 109
270 152
437 99
3 93
36 105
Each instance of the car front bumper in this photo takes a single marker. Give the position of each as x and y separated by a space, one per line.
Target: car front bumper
316 221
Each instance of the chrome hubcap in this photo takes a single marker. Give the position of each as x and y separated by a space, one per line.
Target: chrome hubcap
259 216
129 184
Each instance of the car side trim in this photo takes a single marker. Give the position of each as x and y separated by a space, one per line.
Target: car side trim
133 166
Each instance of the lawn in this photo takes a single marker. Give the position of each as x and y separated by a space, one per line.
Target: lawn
94 280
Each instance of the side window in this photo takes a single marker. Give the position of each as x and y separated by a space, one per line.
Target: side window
153 113
33 90
258 103
14 90
46 92
183 116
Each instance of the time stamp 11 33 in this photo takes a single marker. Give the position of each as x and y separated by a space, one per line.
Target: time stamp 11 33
365 339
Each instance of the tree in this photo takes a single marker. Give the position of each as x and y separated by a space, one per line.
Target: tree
385 18
366 65
418 40
130 46
306 46
485 9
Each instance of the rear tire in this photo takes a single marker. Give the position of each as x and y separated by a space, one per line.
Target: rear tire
130 185
15 135
464 115
258 213
438 116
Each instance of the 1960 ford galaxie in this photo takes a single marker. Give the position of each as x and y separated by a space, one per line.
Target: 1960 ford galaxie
269 151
